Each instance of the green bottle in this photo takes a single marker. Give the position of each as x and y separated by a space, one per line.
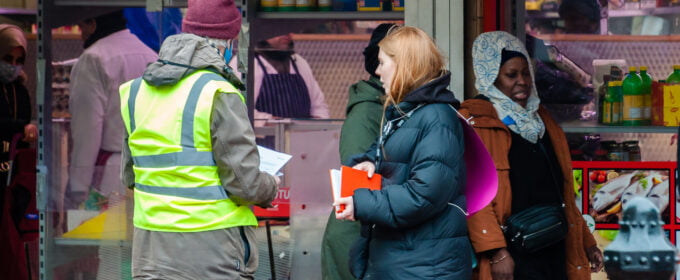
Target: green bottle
674 78
647 92
611 107
633 99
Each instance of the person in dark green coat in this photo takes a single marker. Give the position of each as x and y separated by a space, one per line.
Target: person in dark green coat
359 131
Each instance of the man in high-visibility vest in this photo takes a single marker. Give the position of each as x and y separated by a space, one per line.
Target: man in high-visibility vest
191 157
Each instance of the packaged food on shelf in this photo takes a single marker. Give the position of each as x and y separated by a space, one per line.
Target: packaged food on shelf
345 5
632 147
398 5
369 5
665 104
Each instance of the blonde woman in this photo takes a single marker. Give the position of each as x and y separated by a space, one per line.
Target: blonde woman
414 228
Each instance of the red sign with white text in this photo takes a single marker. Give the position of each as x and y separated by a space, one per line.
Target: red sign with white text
281 206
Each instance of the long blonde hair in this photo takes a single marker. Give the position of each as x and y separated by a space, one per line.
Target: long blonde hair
418 61
417 58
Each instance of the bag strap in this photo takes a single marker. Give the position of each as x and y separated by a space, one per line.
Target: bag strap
388 129
552 171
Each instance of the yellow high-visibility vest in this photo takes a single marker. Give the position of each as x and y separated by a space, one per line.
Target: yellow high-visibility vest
177 187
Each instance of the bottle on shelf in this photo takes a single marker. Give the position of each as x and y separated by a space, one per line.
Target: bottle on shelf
633 150
633 100
612 105
325 5
304 5
674 78
601 99
647 93
286 5
268 5
617 152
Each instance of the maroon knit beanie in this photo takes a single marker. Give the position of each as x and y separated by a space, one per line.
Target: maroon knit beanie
218 19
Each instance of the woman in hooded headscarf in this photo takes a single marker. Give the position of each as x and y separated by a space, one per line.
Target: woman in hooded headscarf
15 102
534 168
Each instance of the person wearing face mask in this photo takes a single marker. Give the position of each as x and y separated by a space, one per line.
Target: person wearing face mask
15 102
190 157
112 56
15 128
533 164
359 130
284 85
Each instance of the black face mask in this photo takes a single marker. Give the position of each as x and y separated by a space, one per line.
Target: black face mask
278 55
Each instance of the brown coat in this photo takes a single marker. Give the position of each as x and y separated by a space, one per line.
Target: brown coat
484 226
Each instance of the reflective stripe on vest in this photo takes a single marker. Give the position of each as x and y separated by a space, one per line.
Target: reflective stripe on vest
177 187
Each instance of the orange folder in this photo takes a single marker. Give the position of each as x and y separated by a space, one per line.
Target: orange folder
346 180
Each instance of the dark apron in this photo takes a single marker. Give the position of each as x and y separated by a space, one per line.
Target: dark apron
283 95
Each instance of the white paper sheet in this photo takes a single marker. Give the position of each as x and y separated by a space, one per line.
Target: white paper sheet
272 161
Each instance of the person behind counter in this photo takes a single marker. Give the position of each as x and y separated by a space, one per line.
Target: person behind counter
414 228
284 84
534 168
190 156
112 56
360 129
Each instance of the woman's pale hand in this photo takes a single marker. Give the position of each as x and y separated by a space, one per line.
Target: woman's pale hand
30 133
348 213
367 166
502 265
595 258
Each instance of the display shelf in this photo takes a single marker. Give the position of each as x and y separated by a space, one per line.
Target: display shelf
332 15
587 127
90 242
17 11
119 3
614 13
644 12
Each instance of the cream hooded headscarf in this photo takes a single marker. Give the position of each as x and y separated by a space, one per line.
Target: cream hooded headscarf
486 61
11 36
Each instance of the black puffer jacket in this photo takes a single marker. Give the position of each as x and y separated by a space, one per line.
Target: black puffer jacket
416 224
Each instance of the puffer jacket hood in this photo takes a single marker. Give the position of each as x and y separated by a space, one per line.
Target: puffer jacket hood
434 92
181 55
365 91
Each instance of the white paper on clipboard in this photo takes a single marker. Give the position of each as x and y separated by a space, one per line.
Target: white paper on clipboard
272 161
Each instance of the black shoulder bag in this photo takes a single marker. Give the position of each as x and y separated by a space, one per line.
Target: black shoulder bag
539 226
